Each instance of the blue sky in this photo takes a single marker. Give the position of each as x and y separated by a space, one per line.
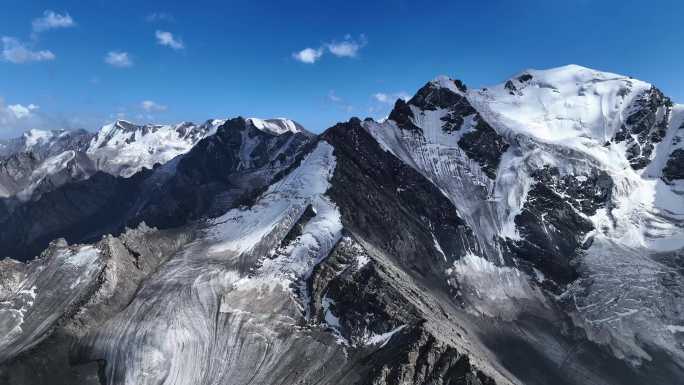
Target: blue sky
174 61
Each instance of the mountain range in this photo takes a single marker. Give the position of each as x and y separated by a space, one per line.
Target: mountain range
526 233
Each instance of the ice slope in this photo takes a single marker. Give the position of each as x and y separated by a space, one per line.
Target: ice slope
205 318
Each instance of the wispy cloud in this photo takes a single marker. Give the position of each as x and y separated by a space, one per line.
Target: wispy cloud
155 17
308 55
15 51
151 106
167 39
390 98
118 59
333 97
52 20
339 102
348 47
21 112
18 52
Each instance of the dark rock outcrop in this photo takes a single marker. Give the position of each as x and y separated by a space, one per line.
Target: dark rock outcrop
551 229
485 146
645 126
387 192
674 168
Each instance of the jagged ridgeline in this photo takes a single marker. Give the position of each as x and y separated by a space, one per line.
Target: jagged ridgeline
526 233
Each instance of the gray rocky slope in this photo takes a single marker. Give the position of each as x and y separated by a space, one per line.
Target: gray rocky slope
530 233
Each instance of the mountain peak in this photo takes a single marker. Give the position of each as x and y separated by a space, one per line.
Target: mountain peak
35 136
557 104
277 126
444 81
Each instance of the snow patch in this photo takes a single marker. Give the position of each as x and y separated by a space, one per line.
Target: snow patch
384 338
275 126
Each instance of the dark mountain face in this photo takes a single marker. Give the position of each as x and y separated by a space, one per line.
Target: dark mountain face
220 172
509 235
80 212
674 169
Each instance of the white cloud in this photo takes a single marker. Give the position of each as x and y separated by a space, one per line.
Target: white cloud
52 20
160 16
390 98
348 47
167 39
308 55
381 97
118 59
151 106
16 118
14 51
21 112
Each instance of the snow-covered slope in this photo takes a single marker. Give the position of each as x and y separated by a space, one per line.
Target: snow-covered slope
44 143
562 105
123 148
276 126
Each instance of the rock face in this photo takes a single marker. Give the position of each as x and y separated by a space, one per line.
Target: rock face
645 126
223 170
527 233
674 169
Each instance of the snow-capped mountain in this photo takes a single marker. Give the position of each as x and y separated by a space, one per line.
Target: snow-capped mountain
561 173
223 169
44 144
527 233
123 148
40 161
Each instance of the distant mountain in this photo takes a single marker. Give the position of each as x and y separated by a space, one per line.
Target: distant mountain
39 161
235 159
123 148
526 233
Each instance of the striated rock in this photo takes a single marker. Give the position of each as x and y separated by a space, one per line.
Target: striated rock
109 276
